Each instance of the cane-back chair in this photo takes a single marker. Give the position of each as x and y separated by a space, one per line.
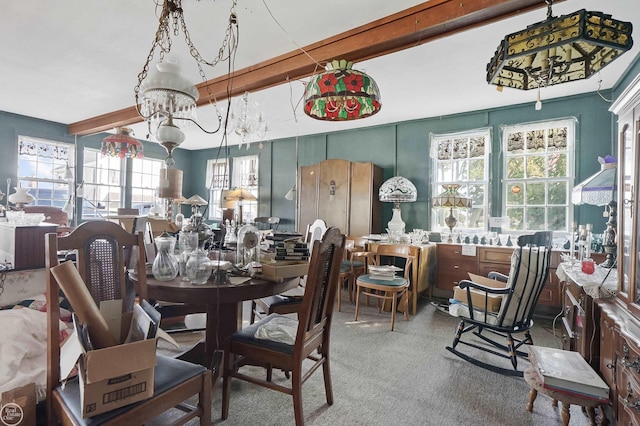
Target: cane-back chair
520 292
102 264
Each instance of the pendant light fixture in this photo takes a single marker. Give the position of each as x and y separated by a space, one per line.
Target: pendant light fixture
558 50
341 93
122 144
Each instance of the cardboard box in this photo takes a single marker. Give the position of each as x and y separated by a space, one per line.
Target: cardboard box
478 297
286 268
110 377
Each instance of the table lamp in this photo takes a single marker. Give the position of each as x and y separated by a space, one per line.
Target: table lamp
599 190
450 198
397 190
239 195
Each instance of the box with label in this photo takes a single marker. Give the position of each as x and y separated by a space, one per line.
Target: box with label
110 377
286 269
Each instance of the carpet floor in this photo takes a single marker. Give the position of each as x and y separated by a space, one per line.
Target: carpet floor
405 377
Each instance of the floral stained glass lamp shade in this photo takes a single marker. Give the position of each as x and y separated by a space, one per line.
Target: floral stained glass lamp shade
122 144
451 198
341 93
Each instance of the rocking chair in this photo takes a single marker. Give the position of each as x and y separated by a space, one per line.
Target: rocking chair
526 279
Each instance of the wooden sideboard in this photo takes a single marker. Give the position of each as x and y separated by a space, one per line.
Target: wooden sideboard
579 330
455 261
23 245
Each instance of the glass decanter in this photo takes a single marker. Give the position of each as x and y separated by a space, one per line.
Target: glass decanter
187 243
165 265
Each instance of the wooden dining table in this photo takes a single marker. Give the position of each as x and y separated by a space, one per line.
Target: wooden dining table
222 303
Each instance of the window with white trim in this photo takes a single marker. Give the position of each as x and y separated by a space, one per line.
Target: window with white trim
245 176
217 180
537 183
145 178
42 165
103 185
462 158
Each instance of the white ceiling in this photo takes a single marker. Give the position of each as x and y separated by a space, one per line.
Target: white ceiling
72 60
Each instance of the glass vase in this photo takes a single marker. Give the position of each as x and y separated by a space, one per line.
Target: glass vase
165 265
199 267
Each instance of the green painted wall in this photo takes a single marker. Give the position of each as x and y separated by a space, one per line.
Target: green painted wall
400 148
403 148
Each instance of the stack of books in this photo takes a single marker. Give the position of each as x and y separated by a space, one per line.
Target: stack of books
292 250
568 372
383 272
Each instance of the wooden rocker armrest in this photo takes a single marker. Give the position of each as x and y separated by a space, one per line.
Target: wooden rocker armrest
498 276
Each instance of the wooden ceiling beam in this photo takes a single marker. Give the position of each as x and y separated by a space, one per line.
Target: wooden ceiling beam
412 27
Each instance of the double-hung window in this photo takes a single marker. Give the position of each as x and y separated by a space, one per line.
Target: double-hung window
245 176
537 182
462 159
145 178
46 167
217 180
103 186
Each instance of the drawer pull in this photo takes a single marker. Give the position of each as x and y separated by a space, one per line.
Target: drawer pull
456 267
635 363
629 400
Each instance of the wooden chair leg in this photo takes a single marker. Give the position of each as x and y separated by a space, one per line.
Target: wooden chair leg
296 390
358 291
326 371
226 384
393 311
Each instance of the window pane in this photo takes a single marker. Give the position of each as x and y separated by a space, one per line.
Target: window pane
515 193
515 168
557 165
557 193
516 214
557 218
535 193
535 218
536 167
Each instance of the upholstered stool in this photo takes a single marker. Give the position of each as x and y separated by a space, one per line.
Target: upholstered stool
384 290
567 400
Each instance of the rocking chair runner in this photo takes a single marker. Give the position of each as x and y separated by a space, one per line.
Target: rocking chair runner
523 285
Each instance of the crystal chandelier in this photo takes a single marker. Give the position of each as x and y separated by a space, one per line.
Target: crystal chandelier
165 98
248 121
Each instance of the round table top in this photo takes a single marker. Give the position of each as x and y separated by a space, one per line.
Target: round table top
177 290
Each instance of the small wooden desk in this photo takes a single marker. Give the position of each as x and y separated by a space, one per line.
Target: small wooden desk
221 302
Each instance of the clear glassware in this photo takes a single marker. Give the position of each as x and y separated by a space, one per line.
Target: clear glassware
165 265
187 243
199 266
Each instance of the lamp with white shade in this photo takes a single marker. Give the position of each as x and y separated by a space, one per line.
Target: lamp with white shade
599 190
397 190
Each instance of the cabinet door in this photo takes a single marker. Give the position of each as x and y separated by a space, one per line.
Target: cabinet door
308 196
607 348
626 177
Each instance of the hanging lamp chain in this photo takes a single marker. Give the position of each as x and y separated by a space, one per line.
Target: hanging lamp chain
172 17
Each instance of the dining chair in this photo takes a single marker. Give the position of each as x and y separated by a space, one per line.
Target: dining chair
101 263
283 304
520 292
353 265
387 290
279 341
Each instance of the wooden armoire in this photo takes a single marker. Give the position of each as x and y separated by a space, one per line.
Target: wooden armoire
343 194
